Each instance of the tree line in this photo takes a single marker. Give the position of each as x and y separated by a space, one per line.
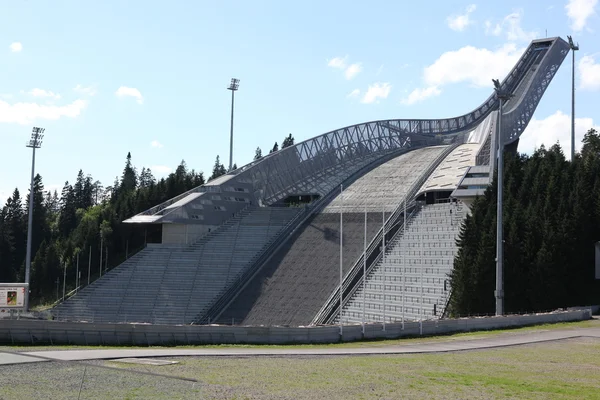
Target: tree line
551 224
83 220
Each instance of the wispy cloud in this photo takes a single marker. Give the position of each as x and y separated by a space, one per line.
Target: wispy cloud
354 93
125 91
44 93
27 113
510 26
589 73
87 90
419 95
350 71
161 170
579 11
156 144
459 22
337 62
16 47
377 91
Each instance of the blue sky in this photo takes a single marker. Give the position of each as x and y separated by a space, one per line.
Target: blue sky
150 77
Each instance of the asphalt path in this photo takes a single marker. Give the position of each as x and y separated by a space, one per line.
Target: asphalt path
502 340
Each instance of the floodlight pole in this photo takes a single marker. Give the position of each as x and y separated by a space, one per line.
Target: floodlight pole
574 47
499 293
341 255
37 134
235 83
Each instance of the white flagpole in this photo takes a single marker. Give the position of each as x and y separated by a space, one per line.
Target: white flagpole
421 278
404 250
364 274
383 263
341 251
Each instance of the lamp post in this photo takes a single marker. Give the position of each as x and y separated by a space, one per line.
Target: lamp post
502 95
235 84
37 134
574 47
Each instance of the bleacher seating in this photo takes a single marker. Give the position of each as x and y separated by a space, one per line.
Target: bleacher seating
416 270
292 287
174 284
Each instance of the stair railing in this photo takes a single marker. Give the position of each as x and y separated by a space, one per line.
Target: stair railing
330 309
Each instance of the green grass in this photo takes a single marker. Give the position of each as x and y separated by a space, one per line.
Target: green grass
567 369
557 370
366 343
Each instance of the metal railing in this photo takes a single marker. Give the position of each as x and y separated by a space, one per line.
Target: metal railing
330 309
215 311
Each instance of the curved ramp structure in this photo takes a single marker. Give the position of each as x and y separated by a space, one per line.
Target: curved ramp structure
450 155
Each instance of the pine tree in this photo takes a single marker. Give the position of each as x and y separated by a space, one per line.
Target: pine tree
218 169
257 154
129 176
67 220
288 141
78 191
275 148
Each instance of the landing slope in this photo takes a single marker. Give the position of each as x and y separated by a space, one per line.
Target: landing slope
297 281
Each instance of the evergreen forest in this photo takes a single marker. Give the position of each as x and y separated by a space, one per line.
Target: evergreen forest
82 225
551 224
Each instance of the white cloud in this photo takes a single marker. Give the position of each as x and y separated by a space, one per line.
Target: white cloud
552 129
131 92
350 71
418 95
16 47
337 62
377 91
472 65
354 93
156 144
353 70
26 113
460 22
160 170
89 90
44 93
579 11
589 73
379 70
511 27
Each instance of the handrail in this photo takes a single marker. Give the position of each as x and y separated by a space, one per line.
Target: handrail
82 286
215 311
328 311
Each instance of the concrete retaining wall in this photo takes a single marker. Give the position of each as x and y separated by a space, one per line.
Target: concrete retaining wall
53 332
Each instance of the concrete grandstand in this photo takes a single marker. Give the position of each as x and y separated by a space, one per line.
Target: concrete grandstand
260 245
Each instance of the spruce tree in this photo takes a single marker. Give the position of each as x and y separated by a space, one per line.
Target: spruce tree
257 154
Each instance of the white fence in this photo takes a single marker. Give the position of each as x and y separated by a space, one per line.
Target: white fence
53 332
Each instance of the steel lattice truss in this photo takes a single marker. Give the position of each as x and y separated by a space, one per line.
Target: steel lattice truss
318 165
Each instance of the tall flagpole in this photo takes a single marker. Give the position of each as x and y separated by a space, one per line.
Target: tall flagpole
421 267
341 251
404 249
364 273
383 262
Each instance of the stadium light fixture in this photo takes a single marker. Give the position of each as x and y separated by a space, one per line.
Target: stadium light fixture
233 86
574 47
502 95
37 135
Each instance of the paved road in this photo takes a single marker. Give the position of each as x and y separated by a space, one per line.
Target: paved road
502 340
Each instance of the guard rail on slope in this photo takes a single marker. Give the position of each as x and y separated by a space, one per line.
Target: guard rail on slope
330 309
231 294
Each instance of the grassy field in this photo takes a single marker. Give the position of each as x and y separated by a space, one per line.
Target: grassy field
562 370
378 343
